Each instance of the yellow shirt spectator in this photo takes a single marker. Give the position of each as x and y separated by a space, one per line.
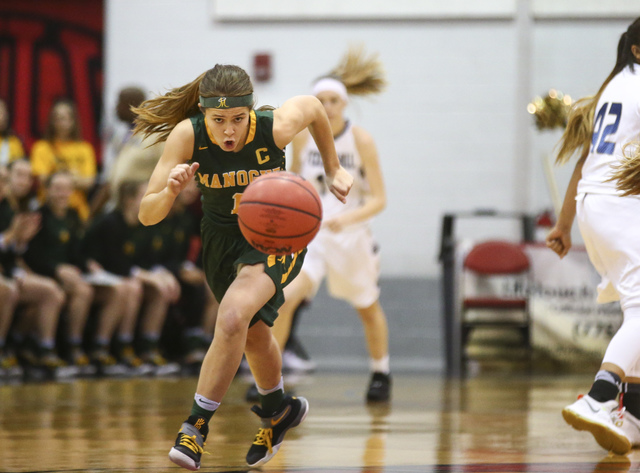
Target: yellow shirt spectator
78 157
10 149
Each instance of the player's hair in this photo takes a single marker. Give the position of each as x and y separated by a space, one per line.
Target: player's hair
577 135
626 174
360 74
161 114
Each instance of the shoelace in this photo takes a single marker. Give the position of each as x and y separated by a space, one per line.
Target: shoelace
129 357
618 414
264 437
191 443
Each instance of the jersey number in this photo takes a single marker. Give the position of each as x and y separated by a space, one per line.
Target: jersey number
600 135
237 197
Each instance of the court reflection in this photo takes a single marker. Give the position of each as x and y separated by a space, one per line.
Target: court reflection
375 448
498 423
480 421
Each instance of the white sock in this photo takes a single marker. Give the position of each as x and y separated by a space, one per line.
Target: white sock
379 366
264 392
205 403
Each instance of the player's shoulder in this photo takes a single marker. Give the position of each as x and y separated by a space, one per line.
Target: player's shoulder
361 136
183 129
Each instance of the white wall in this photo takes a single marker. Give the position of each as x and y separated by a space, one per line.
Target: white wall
452 129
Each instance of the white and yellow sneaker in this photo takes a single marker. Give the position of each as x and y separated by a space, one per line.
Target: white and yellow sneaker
597 418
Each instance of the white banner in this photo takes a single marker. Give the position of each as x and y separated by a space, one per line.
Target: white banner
568 324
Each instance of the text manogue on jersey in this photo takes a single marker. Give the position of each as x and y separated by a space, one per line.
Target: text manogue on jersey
240 178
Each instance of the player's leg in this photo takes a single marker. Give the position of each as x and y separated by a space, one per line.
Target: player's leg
278 413
627 417
376 333
352 275
614 255
294 294
246 295
295 358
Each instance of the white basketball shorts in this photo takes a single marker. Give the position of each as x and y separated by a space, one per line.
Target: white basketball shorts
350 262
610 228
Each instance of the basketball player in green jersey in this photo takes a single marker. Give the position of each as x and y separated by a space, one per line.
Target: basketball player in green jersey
213 135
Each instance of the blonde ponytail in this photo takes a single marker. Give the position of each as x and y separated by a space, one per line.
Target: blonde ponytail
627 173
360 74
161 114
577 134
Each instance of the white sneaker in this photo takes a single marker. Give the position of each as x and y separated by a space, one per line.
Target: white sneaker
629 424
596 417
292 363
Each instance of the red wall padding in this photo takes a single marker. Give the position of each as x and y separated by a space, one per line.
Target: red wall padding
50 49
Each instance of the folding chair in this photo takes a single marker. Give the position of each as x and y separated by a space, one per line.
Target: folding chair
488 262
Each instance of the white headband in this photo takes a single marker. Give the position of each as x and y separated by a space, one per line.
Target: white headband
329 84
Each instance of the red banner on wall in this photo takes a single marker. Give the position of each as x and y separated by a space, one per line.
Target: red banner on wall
50 50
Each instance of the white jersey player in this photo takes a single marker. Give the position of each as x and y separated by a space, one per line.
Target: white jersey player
344 251
603 128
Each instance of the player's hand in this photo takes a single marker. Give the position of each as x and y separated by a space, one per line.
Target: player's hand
559 240
334 224
180 176
340 184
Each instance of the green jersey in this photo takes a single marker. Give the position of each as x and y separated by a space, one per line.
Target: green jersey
223 176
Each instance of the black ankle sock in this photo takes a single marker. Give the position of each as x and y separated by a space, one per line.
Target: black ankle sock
631 398
603 391
631 402
271 402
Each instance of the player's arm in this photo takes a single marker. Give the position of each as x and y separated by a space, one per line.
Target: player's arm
306 111
170 176
559 238
297 145
377 199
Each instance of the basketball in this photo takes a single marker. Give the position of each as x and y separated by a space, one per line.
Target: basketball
279 213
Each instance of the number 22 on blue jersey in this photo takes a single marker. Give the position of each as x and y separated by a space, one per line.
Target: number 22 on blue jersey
599 143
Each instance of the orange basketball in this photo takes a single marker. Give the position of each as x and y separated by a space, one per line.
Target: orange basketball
280 213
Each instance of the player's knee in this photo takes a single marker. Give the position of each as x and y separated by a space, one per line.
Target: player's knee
230 322
86 291
55 294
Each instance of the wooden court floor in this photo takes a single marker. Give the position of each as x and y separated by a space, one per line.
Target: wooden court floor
489 423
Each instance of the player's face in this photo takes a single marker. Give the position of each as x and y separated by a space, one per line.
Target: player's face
333 104
229 127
